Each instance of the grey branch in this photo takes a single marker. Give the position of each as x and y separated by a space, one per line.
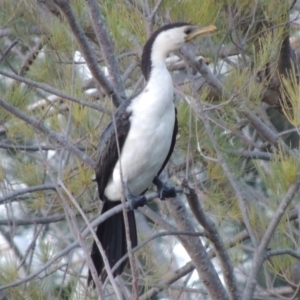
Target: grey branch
260 253
32 189
42 220
106 46
197 251
48 132
49 89
214 237
264 131
87 52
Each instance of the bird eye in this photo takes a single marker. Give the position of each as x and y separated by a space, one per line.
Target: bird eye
188 31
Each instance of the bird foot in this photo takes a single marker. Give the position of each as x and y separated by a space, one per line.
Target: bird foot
135 201
163 190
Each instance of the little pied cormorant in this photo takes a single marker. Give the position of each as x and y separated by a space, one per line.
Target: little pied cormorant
146 128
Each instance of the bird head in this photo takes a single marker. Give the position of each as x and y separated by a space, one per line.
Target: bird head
173 36
169 38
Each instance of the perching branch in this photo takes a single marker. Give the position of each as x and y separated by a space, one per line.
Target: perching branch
84 233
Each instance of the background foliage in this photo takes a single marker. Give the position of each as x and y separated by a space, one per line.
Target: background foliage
236 157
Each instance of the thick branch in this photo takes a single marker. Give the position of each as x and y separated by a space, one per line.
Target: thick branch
214 237
197 251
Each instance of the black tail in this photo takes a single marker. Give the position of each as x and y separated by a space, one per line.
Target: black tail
111 234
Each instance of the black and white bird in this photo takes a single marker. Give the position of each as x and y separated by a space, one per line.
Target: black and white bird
145 127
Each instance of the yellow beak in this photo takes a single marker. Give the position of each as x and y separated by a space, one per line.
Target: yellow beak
200 31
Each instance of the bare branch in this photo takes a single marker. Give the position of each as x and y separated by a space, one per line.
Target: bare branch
50 133
47 88
250 154
260 253
214 237
32 189
15 147
286 251
42 220
106 46
87 52
7 50
197 251
84 233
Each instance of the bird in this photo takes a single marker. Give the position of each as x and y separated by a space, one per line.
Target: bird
136 145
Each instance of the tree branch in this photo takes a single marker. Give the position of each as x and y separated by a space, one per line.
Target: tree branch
260 253
49 89
106 46
197 251
214 237
84 233
48 132
87 52
32 189
32 221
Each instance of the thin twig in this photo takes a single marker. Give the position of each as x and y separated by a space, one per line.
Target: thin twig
48 132
7 50
260 253
87 52
47 88
106 46
31 189
32 221
126 225
84 233
89 260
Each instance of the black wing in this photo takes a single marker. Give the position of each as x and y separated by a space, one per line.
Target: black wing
107 151
173 142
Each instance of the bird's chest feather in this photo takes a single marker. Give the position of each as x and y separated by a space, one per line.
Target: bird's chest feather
148 141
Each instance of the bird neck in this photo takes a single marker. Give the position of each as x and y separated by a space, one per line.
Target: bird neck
159 76
159 88
157 69
158 57
154 56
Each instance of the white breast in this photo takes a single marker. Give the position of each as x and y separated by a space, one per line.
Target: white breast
149 138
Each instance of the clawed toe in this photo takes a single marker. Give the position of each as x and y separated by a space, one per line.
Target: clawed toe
163 190
136 201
